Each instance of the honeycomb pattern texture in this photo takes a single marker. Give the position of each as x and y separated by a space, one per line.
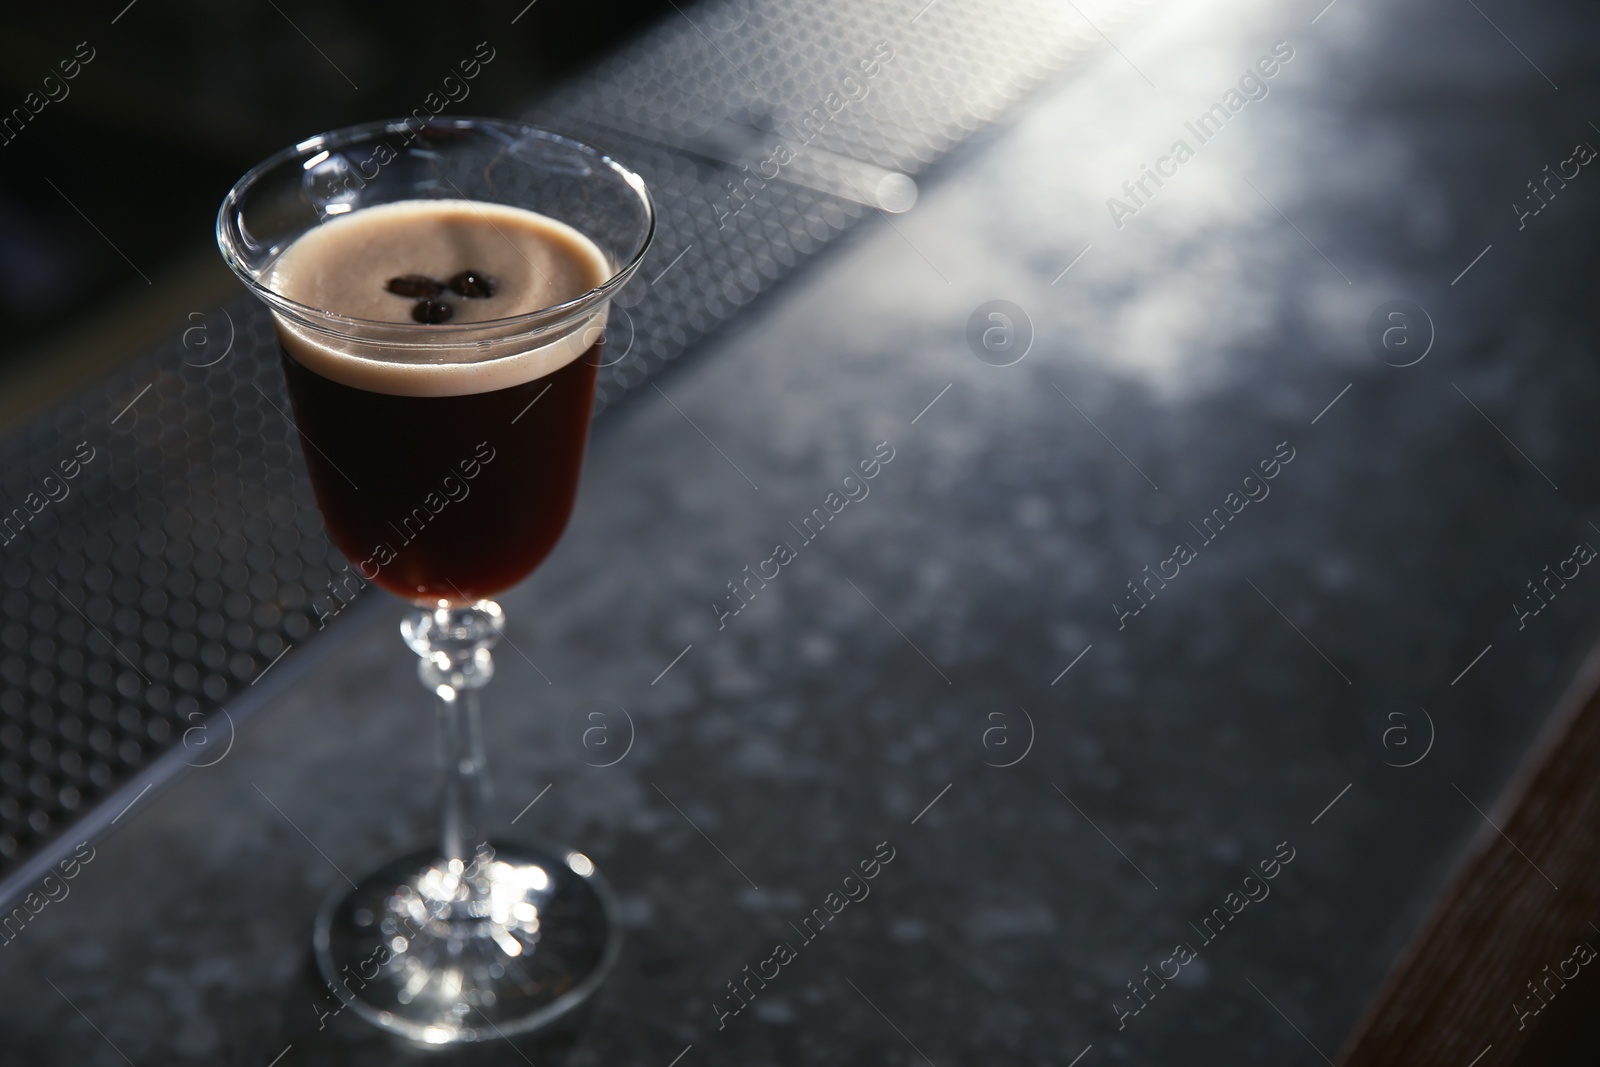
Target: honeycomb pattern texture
700 105
160 549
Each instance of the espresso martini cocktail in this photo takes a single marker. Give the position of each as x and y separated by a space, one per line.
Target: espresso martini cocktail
440 293
474 504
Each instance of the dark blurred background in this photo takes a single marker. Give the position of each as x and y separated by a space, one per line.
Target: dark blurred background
179 99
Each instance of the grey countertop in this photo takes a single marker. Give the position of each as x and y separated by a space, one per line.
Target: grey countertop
1353 618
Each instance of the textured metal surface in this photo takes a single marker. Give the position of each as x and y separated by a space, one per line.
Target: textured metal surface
176 566
702 103
186 556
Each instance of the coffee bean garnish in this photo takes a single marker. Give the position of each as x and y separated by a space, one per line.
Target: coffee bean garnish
432 312
419 285
470 283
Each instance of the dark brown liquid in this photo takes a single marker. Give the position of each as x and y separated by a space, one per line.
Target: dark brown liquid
445 497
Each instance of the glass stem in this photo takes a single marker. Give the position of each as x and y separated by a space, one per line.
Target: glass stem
463 775
452 645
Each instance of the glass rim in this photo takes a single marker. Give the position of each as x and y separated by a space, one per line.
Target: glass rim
426 335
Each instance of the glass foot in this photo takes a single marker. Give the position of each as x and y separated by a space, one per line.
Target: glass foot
446 951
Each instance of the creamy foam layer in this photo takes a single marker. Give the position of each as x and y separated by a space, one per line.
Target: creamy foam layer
344 265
